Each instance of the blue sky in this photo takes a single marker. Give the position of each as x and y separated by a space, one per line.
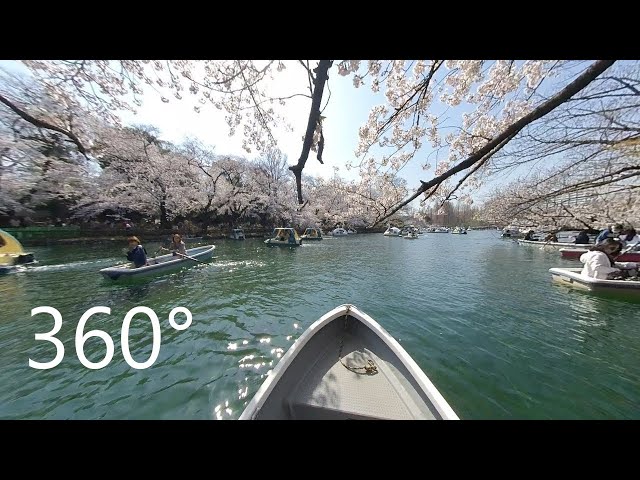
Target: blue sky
347 110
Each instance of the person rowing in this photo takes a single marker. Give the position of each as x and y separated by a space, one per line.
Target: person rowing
177 246
612 231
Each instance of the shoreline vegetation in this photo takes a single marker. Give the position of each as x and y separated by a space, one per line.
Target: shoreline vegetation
559 138
43 236
70 235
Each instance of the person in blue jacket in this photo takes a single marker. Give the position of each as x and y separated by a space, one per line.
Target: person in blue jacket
610 232
136 254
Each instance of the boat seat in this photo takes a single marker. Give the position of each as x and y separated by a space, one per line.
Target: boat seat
330 391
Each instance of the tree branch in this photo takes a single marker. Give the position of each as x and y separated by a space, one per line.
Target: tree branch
578 219
322 76
582 81
42 124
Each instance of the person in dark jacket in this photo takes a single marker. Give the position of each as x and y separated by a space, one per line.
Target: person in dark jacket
612 231
529 235
582 238
136 253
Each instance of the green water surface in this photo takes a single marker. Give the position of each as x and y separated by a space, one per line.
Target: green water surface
478 313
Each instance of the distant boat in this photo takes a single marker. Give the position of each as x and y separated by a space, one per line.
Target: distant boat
284 237
351 231
392 232
411 236
511 232
346 366
237 234
339 232
159 265
312 234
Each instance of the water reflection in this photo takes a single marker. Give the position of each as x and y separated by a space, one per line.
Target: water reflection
132 293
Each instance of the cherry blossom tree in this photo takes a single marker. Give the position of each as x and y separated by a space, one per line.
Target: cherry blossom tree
493 101
506 99
41 165
144 174
357 203
587 157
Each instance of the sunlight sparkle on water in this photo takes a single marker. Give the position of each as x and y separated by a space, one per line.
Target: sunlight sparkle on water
243 393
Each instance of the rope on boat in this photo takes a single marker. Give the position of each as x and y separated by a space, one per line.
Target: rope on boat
369 369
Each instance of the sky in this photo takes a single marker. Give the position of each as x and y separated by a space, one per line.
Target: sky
346 112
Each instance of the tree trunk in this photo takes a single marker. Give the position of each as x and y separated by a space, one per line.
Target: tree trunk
319 82
164 219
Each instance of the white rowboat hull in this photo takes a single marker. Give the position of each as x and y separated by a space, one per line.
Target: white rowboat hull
158 265
311 382
542 243
573 278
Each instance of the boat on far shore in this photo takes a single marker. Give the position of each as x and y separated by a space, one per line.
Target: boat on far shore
237 234
339 232
284 237
312 234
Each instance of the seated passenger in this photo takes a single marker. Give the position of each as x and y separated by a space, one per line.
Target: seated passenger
136 253
582 238
177 246
552 237
611 231
630 237
599 261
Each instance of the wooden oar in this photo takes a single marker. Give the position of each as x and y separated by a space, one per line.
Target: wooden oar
547 243
190 258
628 249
